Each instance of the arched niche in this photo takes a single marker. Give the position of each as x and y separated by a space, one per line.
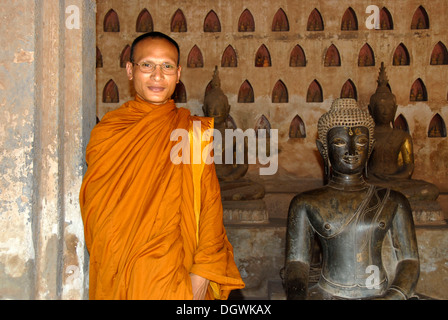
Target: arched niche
125 56
314 93
110 92
246 22
229 58
144 22
99 58
280 21
195 59
349 90
212 23
246 93
349 20
263 123
366 57
418 91
386 22
420 19
180 94
332 57
262 57
178 22
315 21
297 57
297 128
230 122
439 55
437 128
401 123
111 22
280 93
401 56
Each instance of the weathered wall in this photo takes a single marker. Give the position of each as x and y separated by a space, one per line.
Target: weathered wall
47 99
298 158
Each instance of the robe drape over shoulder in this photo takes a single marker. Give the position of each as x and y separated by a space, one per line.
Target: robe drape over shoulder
149 222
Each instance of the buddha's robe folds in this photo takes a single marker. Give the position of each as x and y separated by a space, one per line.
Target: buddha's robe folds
149 222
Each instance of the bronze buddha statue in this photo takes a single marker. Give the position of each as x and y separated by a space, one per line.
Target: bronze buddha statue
392 161
351 219
234 186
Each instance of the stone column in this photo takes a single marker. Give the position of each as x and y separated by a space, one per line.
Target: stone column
47 103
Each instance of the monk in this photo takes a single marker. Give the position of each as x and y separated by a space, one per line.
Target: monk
153 228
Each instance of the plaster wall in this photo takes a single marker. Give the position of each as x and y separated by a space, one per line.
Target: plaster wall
47 97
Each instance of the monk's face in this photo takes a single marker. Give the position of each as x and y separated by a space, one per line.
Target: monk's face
348 149
156 87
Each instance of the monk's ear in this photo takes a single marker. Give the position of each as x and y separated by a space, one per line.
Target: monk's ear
130 70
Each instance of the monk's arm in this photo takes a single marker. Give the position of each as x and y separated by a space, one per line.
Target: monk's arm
298 252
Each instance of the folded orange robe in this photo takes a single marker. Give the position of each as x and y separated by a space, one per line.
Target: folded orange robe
149 222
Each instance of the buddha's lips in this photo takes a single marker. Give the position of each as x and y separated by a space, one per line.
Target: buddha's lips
350 159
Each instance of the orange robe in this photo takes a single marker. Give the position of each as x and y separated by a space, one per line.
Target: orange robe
149 222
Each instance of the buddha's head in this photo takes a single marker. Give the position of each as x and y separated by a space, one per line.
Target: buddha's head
345 137
216 104
383 103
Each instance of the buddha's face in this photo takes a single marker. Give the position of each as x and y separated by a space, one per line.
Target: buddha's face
216 109
383 111
348 149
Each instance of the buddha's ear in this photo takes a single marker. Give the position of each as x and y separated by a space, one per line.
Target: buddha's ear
320 147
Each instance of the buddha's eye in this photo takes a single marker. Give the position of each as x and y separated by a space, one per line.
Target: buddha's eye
362 141
338 142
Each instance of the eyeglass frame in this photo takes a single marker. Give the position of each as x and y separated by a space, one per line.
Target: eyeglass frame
155 67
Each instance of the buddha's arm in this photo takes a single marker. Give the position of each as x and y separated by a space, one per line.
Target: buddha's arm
405 245
298 252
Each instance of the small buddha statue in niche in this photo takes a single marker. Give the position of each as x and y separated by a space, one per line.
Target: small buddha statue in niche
234 186
392 161
351 219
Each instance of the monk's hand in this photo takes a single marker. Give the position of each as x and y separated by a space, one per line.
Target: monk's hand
199 285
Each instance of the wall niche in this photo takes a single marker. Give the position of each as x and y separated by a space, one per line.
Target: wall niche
263 123
418 91
366 58
349 90
195 59
178 22
111 22
262 57
246 22
315 21
314 93
180 94
280 21
212 23
246 93
401 56
99 58
439 55
420 19
297 128
144 22
229 58
437 128
280 93
125 56
349 20
386 22
401 123
297 57
110 92
332 57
